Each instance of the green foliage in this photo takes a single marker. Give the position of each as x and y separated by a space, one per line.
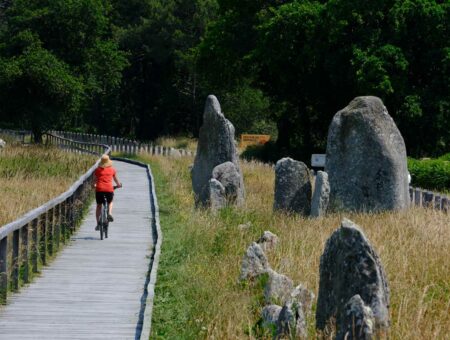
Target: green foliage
268 152
313 57
249 110
144 68
432 174
59 61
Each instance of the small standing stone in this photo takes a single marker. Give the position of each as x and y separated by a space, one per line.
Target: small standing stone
357 321
278 288
270 315
321 195
292 186
217 197
303 297
268 241
227 174
349 266
291 322
254 262
2 143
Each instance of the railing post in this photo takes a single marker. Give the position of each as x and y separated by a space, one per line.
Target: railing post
3 270
15 260
34 244
50 231
43 225
57 227
417 197
24 256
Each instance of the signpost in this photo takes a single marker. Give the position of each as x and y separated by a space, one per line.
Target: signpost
318 160
247 139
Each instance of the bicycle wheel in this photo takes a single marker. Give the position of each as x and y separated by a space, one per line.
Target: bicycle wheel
103 220
106 229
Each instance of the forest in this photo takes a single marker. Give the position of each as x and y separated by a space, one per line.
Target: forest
143 68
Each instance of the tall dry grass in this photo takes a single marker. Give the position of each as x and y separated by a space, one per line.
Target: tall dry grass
178 143
32 175
413 246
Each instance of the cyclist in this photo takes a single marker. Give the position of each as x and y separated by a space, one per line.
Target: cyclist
104 176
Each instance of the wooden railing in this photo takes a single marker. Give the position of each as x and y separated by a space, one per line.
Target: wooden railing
124 145
20 135
31 240
428 199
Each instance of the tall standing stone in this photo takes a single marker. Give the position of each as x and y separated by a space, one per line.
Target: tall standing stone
215 146
321 195
292 186
366 159
349 266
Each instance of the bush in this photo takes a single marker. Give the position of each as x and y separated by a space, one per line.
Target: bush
433 174
267 153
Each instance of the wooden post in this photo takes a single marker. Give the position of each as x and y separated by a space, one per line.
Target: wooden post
34 244
43 225
24 254
437 202
411 194
57 226
15 260
50 231
417 197
62 218
3 270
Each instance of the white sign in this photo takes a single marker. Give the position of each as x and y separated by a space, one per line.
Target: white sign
318 160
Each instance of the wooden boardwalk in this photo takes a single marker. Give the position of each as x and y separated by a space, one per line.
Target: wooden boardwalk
93 289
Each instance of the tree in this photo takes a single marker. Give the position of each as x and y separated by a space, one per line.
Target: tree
60 55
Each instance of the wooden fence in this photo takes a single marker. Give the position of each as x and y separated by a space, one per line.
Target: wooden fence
429 199
20 135
124 145
30 241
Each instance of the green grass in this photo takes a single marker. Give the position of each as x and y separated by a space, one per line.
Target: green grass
171 314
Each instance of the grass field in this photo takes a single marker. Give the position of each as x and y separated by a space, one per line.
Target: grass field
198 295
32 175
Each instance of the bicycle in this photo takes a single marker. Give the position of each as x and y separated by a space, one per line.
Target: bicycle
103 220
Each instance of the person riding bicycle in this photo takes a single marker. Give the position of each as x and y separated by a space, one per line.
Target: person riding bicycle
104 176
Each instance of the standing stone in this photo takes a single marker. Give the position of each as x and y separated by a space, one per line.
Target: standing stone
215 146
304 297
291 322
228 174
292 186
270 315
175 153
254 262
366 159
349 266
321 195
358 321
2 143
278 288
268 241
217 197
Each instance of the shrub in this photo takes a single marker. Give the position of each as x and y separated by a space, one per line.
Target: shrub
433 174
